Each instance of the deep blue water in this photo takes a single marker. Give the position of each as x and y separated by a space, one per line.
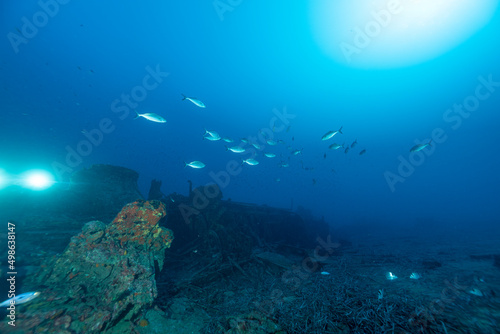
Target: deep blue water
252 62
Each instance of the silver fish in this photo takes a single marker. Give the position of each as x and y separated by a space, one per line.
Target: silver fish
330 134
227 139
208 137
420 147
212 133
270 155
251 162
235 149
195 164
257 146
151 117
20 299
335 146
193 100
271 142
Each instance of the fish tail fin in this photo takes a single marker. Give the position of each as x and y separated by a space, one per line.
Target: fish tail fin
430 142
183 97
185 164
340 130
227 148
136 114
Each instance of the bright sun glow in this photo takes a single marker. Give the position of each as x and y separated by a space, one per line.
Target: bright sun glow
38 180
395 33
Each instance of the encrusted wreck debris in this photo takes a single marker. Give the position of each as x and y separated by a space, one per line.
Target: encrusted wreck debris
103 279
205 222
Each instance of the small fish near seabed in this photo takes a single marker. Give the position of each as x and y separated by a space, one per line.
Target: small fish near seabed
193 100
20 299
390 276
330 134
194 164
151 117
420 147
415 276
251 162
476 292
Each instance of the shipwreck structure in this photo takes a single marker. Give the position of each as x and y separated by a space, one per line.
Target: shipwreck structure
109 262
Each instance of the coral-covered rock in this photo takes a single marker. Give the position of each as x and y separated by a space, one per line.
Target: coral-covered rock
104 278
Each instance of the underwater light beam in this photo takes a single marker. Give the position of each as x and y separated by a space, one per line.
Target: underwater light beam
3 180
395 33
38 180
